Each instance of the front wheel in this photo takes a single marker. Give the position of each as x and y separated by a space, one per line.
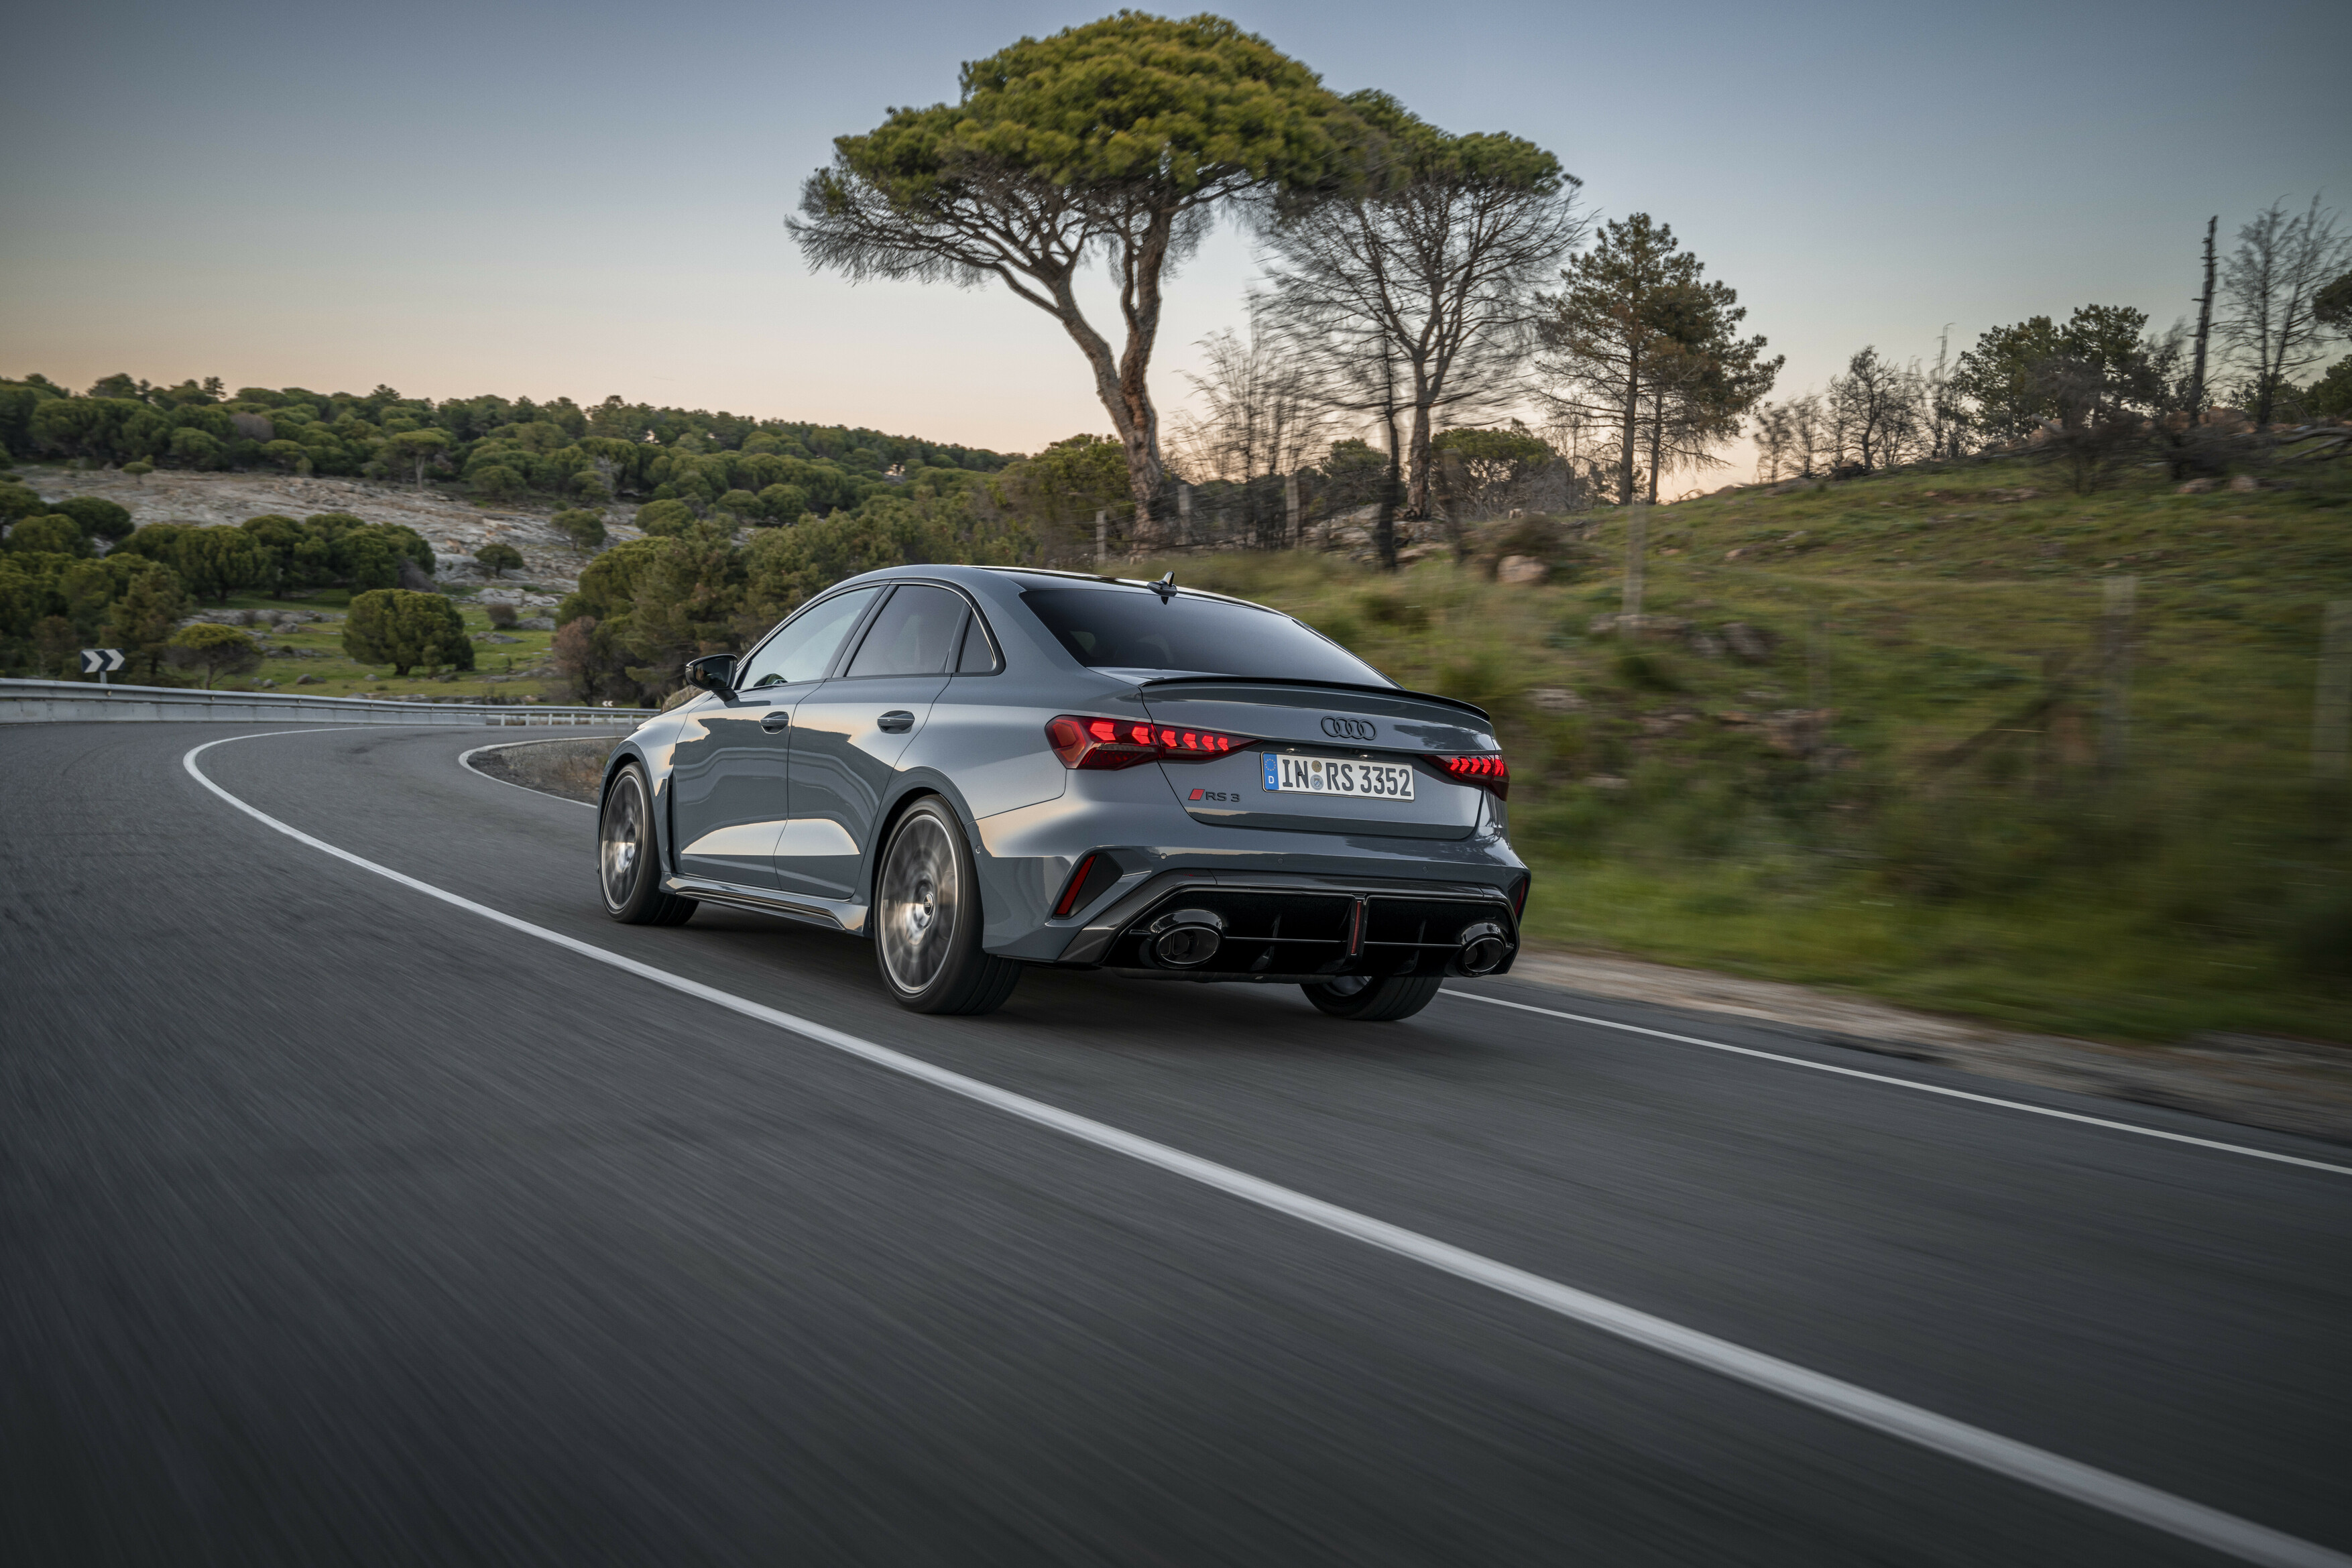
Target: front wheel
1369 1000
628 865
927 919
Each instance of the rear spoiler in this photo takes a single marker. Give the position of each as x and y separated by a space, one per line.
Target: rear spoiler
1318 686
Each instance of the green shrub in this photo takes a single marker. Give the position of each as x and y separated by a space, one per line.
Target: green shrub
55 535
583 526
140 622
395 626
213 649
99 518
21 501
497 481
666 518
498 559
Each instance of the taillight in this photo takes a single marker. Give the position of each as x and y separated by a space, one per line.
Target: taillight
1484 768
1124 742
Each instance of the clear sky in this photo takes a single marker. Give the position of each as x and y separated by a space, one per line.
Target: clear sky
542 200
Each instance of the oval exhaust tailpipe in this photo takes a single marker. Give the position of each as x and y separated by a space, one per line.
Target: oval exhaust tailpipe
1483 949
1187 938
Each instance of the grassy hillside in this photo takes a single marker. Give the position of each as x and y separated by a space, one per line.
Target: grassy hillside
1903 794
505 670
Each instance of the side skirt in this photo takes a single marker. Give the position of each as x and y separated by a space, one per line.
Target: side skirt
839 915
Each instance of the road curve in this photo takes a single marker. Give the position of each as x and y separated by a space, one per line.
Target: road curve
343 1224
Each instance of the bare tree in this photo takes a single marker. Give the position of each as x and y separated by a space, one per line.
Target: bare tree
1262 416
1946 418
2196 408
2273 282
1789 438
1426 273
1874 411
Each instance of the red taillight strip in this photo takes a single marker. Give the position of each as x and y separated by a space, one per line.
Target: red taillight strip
1069 899
1484 768
1082 742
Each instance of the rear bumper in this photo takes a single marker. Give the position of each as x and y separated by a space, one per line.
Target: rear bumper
1278 926
1026 856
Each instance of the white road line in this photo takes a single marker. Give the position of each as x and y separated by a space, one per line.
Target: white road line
2035 1467
1908 1083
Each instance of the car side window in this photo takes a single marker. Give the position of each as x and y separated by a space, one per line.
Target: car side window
978 657
805 645
913 635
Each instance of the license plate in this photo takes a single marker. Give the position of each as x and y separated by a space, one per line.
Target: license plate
1330 776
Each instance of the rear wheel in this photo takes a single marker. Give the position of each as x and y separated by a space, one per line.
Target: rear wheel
628 865
1366 1000
927 919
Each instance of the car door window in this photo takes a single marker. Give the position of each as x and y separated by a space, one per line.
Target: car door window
805 647
913 635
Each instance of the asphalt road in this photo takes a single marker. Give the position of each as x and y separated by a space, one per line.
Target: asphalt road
340 1223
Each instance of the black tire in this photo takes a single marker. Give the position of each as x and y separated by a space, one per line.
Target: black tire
927 919
1382 1000
628 857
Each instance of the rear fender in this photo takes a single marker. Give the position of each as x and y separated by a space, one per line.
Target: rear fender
1008 891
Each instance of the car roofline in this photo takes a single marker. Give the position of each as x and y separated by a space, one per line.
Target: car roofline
1126 582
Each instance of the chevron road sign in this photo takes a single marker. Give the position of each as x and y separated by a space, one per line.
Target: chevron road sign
101 662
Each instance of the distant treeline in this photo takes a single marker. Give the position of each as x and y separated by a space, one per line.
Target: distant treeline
78 573
502 448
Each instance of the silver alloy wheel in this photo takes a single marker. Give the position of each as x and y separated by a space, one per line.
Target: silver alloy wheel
917 915
621 839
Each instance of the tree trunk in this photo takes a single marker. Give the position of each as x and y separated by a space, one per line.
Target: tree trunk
1416 498
1657 438
1139 304
2204 328
1119 384
1633 423
1384 531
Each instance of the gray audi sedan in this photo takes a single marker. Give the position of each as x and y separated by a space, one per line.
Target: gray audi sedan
983 767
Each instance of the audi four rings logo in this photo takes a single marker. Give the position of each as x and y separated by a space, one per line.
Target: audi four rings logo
1339 729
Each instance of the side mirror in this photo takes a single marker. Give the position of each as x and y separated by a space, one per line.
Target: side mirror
712 672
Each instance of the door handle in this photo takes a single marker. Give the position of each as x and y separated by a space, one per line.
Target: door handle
775 720
897 721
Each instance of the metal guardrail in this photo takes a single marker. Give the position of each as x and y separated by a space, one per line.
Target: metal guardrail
75 702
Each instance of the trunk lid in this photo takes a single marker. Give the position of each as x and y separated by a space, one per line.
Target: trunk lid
1318 720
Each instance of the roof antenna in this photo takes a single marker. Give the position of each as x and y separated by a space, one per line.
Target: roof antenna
1165 587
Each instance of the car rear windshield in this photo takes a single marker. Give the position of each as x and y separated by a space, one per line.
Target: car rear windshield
1132 629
